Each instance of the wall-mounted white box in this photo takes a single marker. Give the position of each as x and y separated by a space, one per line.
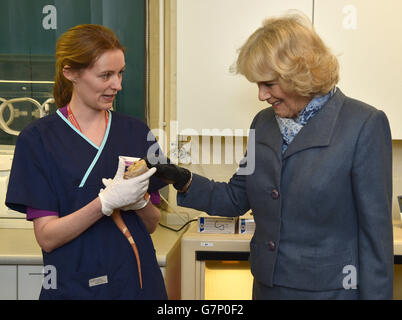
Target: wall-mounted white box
224 225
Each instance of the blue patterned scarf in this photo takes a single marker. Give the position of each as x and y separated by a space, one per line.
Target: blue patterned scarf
290 128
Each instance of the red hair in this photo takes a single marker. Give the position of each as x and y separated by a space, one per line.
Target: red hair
79 48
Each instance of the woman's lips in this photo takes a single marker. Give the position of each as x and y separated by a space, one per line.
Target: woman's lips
276 103
108 98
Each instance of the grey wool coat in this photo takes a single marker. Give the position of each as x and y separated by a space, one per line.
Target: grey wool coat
322 209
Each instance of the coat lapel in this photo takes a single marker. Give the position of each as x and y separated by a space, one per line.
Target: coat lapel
319 129
268 133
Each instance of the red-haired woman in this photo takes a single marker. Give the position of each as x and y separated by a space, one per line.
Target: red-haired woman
58 168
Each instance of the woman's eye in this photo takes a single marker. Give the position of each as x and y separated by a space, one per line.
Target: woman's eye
105 76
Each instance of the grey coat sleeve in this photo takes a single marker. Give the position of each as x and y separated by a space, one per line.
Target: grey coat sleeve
372 187
216 198
219 198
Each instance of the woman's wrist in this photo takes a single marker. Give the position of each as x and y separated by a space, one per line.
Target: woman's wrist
187 185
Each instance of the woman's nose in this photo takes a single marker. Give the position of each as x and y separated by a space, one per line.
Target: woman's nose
116 83
263 92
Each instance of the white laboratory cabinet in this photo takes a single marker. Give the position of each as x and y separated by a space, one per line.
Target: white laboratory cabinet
215 266
20 282
29 282
8 282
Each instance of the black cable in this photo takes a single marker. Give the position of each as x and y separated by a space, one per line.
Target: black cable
177 230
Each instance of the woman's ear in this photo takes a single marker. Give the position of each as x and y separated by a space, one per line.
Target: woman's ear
69 74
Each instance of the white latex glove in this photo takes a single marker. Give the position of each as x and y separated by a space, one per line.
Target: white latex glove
121 168
140 203
134 206
121 192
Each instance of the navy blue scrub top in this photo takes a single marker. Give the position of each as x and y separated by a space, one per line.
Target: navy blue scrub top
55 168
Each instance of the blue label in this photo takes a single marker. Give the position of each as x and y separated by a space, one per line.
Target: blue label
201 224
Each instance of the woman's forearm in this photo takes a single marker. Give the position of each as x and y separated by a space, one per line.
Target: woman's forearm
53 232
150 216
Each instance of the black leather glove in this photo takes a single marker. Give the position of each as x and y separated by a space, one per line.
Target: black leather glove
170 173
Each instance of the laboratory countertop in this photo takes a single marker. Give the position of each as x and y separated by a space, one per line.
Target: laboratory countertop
19 246
192 235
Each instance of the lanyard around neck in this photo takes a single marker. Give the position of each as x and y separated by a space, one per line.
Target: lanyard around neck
74 121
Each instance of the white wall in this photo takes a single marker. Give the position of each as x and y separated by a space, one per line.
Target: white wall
364 34
209 33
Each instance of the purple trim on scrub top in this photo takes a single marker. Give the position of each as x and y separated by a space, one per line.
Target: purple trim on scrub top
155 198
64 111
35 213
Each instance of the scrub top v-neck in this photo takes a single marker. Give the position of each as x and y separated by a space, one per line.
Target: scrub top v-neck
100 148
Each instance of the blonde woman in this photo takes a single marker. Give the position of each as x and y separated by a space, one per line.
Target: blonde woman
322 185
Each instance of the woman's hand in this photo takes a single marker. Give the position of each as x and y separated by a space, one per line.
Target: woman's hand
122 192
170 173
141 203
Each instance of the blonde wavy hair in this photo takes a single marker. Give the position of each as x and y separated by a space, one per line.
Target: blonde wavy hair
287 49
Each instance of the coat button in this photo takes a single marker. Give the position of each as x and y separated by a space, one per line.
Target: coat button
275 194
271 245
